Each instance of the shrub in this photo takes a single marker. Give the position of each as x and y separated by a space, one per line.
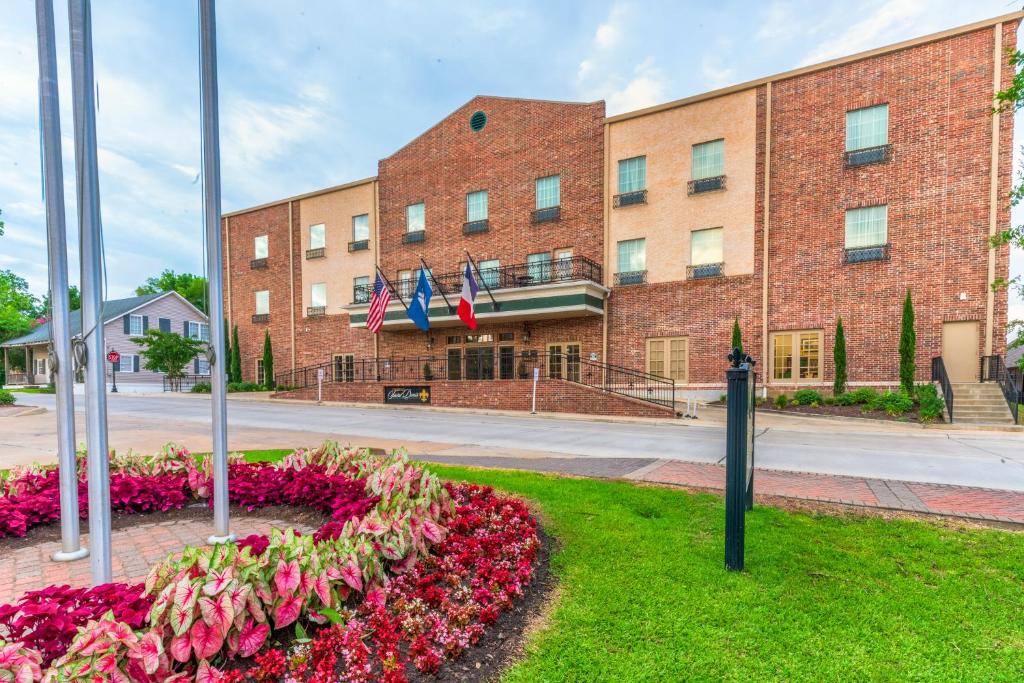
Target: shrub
243 386
268 361
807 397
201 388
781 401
931 404
864 395
723 398
908 346
893 403
737 335
845 399
7 398
829 401
839 356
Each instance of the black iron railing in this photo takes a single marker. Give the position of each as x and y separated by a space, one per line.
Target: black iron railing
316 311
879 154
183 383
318 252
939 375
635 277
359 245
502 277
550 213
993 369
704 270
258 318
474 227
258 263
629 198
878 252
489 363
706 184
413 237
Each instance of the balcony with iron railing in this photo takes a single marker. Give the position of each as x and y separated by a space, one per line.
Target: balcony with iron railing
475 227
259 318
635 277
878 252
359 245
258 263
414 237
549 213
701 271
318 252
316 311
880 154
702 185
629 199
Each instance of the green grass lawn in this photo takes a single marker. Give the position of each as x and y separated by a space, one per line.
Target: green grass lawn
644 595
31 390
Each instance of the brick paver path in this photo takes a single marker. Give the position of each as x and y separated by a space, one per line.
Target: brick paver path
134 550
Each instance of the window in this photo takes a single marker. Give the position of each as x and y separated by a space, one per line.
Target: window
796 356
135 326
706 246
476 206
200 331
632 174
405 285
563 264
317 236
708 159
263 302
127 363
361 227
867 127
344 367
564 361
549 192
489 272
538 266
40 366
867 227
632 256
260 379
415 217
318 294
667 357
202 365
261 247
360 289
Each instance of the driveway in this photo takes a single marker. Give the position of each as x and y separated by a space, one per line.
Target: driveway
983 459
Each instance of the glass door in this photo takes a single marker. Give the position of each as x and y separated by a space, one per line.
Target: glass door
506 362
480 362
454 363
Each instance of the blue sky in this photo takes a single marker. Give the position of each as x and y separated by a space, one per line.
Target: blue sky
314 93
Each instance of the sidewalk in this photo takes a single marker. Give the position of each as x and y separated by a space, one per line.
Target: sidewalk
938 499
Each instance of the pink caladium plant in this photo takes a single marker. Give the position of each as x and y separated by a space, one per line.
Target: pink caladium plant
19 664
109 650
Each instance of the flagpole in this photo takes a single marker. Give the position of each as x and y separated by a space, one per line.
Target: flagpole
451 309
494 303
392 287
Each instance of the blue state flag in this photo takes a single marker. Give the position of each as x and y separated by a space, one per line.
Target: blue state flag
421 303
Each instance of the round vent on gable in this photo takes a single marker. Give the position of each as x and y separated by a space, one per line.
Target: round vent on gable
477 121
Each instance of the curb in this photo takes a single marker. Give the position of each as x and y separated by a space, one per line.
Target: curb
26 411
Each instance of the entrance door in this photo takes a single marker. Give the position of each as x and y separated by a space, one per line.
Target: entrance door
564 361
506 362
480 362
960 350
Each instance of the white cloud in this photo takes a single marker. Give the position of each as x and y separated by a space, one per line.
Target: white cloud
645 88
715 74
882 24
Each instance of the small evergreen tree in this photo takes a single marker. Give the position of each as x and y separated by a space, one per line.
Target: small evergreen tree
737 336
839 356
236 358
268 361
227 362
908 346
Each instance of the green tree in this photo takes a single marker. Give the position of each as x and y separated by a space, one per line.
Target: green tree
192 287
737 335
236 358
168 352
1015 334
226 361
839 357
268 361
1009 101
74 302
18 308
908 346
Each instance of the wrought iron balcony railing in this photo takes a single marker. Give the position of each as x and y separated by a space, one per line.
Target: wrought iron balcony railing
635 277
261 318
503 277
704 270
474 227
414 237
359 245
316 253
258 263
869 155
629 198
878 252
706 185
316 311
550 213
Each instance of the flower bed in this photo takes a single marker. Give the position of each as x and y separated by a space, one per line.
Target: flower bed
408 572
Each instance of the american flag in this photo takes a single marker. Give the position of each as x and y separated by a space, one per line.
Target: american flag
378 305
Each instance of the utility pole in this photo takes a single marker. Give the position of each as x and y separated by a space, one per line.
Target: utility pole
212 218
91 248
57 244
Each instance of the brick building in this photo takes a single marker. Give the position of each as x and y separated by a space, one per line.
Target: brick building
628 245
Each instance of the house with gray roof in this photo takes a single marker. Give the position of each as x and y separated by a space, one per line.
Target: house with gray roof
124 320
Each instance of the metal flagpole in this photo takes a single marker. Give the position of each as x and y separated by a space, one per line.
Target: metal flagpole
91 249
440 289
57 244
472 263
211 216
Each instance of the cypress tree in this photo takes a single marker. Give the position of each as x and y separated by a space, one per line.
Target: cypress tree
226 362
268 361
737 336
839 356
908 346
236 357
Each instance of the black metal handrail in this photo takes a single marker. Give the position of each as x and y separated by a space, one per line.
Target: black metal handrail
993 369
467 365
939 375
502 277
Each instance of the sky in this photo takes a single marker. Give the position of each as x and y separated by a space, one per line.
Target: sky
313 93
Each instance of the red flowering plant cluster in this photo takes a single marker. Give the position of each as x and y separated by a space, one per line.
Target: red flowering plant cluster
406 573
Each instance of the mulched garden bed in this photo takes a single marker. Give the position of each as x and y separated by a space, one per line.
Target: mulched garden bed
843 411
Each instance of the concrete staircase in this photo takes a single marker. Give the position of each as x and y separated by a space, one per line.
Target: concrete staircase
980 403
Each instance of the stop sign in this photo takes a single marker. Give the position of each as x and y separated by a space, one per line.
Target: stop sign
114 357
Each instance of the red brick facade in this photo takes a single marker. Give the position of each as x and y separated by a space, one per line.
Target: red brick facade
936 185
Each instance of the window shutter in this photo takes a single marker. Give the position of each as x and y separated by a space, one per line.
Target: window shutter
135 363
195 365
145 323
127 324
185 327
165 324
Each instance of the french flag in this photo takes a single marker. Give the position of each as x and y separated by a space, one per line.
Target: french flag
469 290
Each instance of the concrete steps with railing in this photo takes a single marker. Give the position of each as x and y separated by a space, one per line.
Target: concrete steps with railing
980 403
